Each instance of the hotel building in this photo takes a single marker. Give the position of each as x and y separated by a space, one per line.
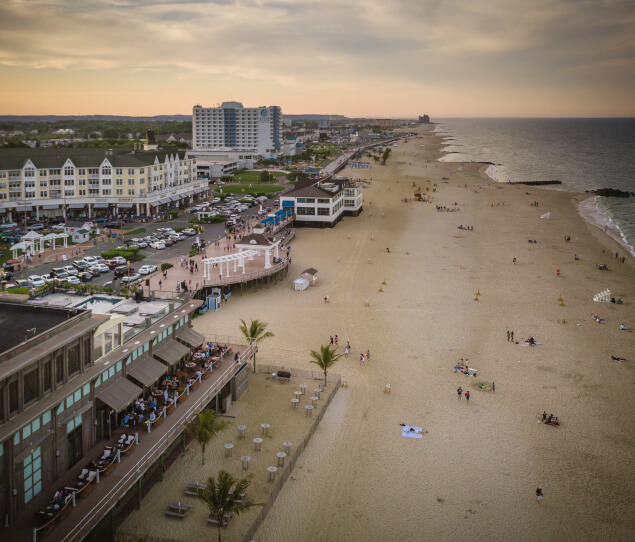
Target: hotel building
235 132
95 182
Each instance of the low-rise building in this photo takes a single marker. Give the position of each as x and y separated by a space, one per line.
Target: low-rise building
323 203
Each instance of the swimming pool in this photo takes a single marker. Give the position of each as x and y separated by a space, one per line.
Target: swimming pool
91 301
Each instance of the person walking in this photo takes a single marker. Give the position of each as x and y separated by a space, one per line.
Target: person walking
539 494
508 336
346 350
459 392
467 396
512 335
367 354
331 340
160 284
361 358
493 388
336 340
514 261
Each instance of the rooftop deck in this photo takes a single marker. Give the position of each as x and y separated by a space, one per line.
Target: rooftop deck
89 511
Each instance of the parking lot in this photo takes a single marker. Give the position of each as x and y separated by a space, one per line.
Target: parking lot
152 256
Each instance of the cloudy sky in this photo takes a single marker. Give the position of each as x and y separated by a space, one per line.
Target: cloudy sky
388 58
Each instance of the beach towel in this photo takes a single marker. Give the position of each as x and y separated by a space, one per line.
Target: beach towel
405 432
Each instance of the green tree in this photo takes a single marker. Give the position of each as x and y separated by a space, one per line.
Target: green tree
221 500
205 427
255 332
265 176
325 359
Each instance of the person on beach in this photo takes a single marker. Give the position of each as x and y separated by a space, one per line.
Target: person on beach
512 333
336 340
514 260
539 494
467 396
459 392
348 345
493 387
361 358
331 340
346 350
508 336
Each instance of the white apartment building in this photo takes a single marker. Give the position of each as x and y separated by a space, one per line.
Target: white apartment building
249 130
323 203
95 182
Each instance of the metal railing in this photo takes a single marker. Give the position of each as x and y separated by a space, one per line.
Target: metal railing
239 277
94 516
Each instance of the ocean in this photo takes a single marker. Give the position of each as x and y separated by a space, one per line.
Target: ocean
582 153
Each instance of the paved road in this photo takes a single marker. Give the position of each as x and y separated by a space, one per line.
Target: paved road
211 233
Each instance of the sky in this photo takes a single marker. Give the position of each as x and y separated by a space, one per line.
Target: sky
359 58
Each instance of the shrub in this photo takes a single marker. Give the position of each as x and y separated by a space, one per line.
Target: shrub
131 254
165 266
173 214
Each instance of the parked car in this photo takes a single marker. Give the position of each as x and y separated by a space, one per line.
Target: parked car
80 265
158 245
35 227
85 276
70 270
90 260
147 269
123 270
103 267
141 243
189 231
168 241
120 259
100 259
129 279
131 244
58 227
35 281
21 283
95 270
73 280
59 273
113 225
101 220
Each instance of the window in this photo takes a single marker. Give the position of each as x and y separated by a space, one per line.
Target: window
73 360
305 211
119 182
13 396
47 375
119 192
59 367
87 353
130 171
82 192
69 170
32 475
324 211
82 172
323 200
31 385
106 192
81 182
106 170
29 172
119 171
131 191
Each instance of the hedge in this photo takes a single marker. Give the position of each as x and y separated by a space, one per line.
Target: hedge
131 254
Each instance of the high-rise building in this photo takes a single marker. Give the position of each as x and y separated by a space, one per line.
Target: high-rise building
425 119
255 130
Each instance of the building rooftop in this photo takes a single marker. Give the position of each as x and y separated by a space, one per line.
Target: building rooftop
83 158
20 322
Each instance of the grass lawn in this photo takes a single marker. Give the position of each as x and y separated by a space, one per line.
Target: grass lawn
254 176
253 189
135 231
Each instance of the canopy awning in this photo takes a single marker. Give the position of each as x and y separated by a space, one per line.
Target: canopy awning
155 203
76 206
125 205
198 190
147 371
23 208
172 352
50 207
191 337
164 201
100 206
120 394
175 198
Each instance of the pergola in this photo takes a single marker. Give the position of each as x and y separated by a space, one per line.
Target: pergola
260 241
34 239
238 258
54 236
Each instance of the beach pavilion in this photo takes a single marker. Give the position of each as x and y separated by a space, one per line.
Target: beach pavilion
237 257
260 241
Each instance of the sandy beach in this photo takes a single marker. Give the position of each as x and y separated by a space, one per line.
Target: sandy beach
474 473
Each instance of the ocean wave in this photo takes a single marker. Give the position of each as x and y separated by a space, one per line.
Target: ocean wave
591 211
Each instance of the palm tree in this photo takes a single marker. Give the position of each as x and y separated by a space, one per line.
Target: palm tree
220 501
325 359
255 332
205 427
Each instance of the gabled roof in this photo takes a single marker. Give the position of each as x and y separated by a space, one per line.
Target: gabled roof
83 158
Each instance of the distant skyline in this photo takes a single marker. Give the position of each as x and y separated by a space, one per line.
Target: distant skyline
359 58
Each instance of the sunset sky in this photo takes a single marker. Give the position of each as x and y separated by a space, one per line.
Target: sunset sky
373 58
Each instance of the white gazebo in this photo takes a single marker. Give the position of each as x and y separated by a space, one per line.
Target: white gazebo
35 240
52 237
237 257
260 242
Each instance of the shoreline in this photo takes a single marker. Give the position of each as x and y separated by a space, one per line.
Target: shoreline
594 216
